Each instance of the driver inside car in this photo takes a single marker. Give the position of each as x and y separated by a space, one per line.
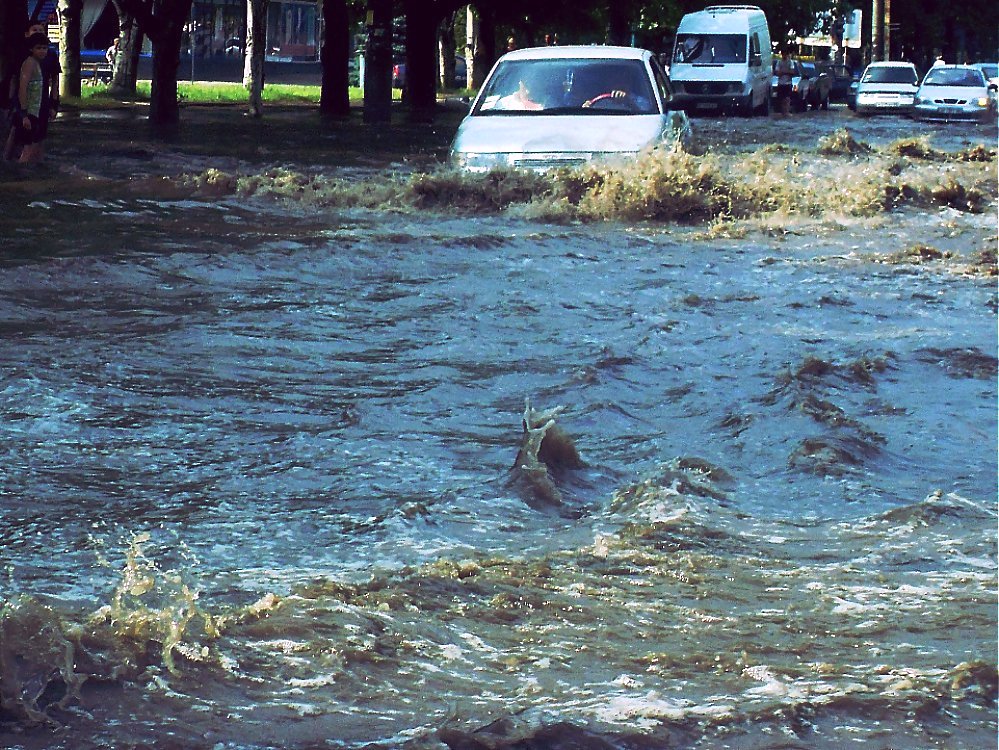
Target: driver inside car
617 93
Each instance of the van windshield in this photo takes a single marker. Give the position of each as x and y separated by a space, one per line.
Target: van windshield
710 48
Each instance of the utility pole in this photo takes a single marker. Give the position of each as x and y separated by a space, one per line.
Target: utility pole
887 29
878 30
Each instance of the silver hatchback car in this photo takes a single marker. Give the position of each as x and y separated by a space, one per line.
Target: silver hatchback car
549 107
955 92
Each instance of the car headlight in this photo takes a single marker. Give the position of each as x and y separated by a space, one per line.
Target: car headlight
983 101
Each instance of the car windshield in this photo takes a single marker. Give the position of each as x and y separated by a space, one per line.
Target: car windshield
954 77
710 48
890 74
568 86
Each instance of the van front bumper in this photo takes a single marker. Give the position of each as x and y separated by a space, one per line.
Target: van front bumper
710 102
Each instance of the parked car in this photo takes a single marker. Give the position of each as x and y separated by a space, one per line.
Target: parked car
990 71
841 78
800 84
851 94
819 85
887 87
955 92
460 73
547 107
398 75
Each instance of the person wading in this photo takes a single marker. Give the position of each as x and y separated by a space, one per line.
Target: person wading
784 71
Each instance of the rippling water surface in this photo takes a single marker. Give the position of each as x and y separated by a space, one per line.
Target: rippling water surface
258 484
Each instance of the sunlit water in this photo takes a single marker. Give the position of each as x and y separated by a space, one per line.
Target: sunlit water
258 478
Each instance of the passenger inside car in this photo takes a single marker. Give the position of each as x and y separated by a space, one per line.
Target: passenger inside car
520 99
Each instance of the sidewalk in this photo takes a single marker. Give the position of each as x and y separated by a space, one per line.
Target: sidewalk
230 69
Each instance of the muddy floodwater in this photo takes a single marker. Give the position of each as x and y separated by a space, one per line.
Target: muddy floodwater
700 453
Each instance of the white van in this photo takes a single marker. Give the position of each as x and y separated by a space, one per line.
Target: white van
722 60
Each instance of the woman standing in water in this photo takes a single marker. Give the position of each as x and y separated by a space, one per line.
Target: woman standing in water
30 92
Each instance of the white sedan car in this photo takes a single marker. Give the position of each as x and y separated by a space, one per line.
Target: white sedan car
887 87
549 107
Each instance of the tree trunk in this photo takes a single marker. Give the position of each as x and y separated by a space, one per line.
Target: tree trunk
421 60
448 50
253 60
474 78
334 96
69 50
485 50
164 109
378 63
13 22
126 69
163 22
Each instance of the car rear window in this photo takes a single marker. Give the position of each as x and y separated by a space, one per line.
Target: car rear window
568 86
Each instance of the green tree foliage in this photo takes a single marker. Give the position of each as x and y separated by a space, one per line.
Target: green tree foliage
965 31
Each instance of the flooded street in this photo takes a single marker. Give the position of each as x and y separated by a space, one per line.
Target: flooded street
701 454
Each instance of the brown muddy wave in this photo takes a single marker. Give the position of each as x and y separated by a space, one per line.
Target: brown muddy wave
841 177
546 455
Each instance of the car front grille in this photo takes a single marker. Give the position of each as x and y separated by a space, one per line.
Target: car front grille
710 88
549 162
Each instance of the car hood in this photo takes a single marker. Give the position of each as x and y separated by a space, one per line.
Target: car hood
953 92
869 87
557 133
